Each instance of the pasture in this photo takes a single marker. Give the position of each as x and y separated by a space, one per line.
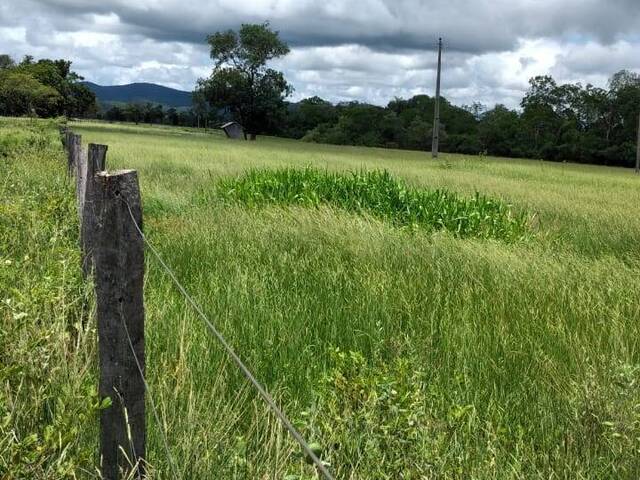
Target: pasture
405 352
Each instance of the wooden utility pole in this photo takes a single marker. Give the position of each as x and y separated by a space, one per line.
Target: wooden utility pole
119 267
638 151
436 109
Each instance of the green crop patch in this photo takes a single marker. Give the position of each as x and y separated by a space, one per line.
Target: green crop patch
383 196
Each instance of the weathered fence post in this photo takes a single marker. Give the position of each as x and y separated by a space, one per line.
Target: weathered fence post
119 269
63 136
74 145
96 162
80 169
69 140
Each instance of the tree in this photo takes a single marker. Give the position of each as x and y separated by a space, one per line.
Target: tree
498 131
542 115
21 94
73 98
476 109
624 94
241 82
80 101
419 134
623 79
306 115
199 105
172 116
134 112
6 62
152 113
115 114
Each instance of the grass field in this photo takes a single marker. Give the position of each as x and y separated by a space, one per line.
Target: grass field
405 353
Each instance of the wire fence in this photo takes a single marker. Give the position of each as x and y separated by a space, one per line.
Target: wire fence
87 167
264 394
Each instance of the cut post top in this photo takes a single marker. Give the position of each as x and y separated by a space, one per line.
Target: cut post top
115 173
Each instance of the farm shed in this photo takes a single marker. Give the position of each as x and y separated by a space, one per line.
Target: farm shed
233 130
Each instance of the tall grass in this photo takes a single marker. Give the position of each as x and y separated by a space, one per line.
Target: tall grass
48 396
405 356
381 195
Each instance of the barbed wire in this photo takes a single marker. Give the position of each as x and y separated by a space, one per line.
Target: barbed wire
268 399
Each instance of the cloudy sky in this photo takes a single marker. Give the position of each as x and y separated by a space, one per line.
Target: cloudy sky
367 50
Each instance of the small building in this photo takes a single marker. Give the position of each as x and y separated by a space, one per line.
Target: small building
233 130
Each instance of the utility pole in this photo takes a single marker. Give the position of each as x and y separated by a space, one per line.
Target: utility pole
436 109
638 151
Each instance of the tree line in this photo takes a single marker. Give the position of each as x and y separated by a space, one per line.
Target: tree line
146 112
44 88
558 122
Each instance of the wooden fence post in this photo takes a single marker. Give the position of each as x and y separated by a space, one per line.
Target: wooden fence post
74 146
67 141
64 132
96 162
80 168
119 270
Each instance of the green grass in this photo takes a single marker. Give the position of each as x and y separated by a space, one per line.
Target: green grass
48 400
405 353
379 194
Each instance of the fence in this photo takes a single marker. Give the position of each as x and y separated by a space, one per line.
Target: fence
112 243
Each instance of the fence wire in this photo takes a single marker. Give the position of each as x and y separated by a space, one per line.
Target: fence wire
163 432
268 399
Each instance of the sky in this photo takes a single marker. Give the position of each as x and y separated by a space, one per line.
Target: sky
341 50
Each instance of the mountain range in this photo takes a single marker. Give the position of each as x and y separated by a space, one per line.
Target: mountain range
140 93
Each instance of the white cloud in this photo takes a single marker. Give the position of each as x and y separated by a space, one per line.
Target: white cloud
494 77
367 50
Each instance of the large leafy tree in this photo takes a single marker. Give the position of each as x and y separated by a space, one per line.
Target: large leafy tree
78 99
624 91
21 94
498 131
307 115
45 88
241 82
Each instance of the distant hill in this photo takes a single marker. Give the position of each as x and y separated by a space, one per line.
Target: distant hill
141 92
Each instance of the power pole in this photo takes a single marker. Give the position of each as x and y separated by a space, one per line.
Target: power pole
638 151
436 109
